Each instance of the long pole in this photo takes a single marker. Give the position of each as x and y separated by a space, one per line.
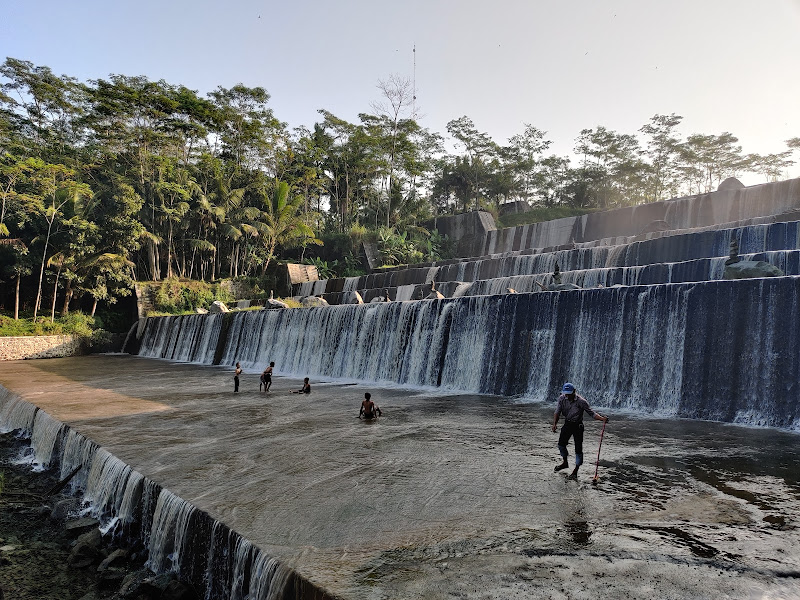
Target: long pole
600 445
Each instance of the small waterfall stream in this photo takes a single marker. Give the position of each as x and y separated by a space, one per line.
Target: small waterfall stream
179 537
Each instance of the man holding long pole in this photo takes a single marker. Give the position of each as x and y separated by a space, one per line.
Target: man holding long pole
572 406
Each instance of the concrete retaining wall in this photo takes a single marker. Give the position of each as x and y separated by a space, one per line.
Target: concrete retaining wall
41 346
692 212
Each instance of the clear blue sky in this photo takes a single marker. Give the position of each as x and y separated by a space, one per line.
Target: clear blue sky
561 65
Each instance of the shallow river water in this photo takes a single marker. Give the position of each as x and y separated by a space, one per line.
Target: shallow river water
446 496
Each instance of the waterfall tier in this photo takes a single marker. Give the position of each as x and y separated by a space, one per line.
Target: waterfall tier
722 350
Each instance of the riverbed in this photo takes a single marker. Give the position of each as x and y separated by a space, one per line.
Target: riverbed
446 496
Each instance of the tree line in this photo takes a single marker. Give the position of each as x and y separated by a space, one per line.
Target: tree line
112 180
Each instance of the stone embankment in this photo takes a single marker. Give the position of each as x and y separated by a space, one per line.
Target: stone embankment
41 346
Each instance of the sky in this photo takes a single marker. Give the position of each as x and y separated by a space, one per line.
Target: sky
560 65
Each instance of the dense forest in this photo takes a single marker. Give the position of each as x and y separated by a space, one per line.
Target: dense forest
120 179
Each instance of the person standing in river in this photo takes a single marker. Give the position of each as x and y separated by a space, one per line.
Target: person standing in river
266 378
236 377
572 406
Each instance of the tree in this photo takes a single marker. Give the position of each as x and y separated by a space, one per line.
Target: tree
708 159
55 189
282 223
12 172
663 150
16 264
771 166
478 146
525 151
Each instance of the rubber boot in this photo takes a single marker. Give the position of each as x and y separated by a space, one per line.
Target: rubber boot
563 465
574 474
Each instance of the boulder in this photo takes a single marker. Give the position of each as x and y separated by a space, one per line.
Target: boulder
272 303
110 579
64 508
731 183
118 558
434 295
379 299
218 307
201 311
80 526
132 583
155 585
177 590
313 301
355 298
86 550
749 269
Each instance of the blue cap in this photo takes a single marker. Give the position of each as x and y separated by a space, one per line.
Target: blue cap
568 388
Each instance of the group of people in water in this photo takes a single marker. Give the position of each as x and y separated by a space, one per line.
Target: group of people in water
369 410
570 405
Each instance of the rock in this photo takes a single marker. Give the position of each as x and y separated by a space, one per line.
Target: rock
218 307
178 591
8 548
132 583
511 290
64 508
563 287
749 269
272 303
117 558
378 300
313 301
86 550
731 183
80 526
201 311
110 578
355 298
434 295
155 585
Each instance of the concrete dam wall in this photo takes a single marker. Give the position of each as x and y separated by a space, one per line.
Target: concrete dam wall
735 206
723 350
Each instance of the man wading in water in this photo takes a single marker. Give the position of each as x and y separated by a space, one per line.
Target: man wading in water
572 407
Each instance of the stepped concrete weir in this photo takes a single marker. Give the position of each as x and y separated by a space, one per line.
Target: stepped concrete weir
452 493
446 496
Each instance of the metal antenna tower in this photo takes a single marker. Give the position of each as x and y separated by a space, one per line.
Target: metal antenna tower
414 86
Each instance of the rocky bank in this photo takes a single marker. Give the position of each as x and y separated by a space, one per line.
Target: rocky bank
51 550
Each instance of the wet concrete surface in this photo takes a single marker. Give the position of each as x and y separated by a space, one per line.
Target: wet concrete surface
446 496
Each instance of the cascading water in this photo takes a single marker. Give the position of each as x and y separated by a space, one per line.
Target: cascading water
179 538
187 338
668 349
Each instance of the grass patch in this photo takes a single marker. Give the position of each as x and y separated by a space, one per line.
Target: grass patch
540 214
73 324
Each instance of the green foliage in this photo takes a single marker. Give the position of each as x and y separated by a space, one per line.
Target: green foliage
204 187
75 323
175 296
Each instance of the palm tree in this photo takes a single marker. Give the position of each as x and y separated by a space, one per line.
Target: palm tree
282 222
